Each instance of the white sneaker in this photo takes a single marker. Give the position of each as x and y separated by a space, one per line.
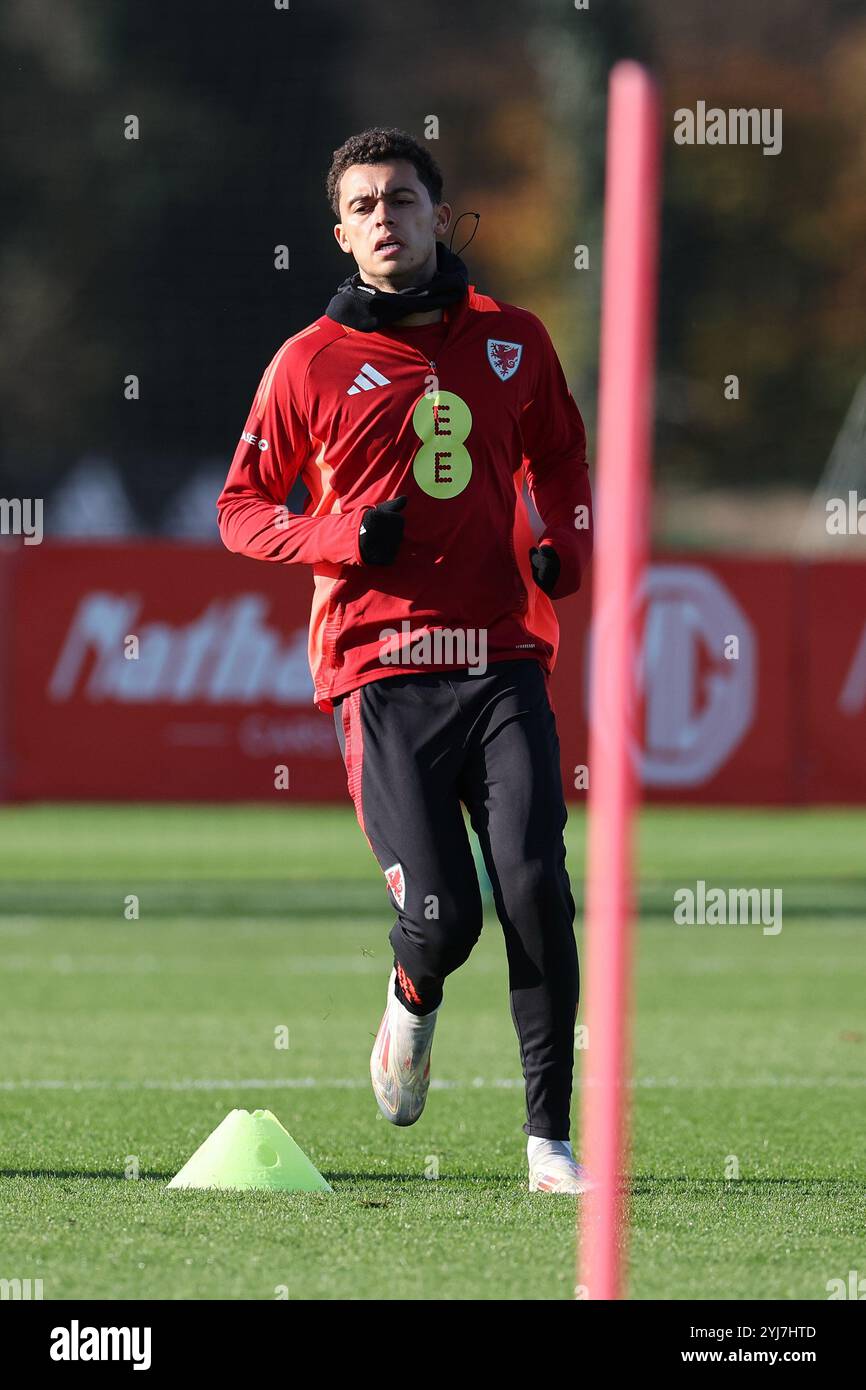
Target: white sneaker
552 1168
400 1060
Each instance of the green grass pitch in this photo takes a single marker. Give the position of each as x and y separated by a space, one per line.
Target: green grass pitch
127 1041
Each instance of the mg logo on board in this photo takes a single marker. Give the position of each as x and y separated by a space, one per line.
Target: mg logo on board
695 704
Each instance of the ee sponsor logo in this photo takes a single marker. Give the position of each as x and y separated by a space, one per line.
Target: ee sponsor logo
442 466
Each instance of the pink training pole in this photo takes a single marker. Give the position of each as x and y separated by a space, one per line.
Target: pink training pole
622 483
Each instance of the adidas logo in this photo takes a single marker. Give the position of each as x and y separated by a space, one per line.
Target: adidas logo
366 379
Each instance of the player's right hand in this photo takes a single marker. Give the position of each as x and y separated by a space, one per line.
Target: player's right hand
381 532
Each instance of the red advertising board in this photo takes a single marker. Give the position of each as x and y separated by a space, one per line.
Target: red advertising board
751 678
8 557
830 671
215 697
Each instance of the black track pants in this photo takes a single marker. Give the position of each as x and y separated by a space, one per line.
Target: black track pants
417 746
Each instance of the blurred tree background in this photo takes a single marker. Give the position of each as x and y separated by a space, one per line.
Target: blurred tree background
155 256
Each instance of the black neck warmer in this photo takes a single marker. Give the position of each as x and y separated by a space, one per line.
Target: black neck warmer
366 309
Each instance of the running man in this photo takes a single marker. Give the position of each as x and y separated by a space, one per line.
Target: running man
415 409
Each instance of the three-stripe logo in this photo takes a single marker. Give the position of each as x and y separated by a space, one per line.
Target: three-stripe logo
366 379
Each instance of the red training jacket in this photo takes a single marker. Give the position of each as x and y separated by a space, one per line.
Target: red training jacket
364 417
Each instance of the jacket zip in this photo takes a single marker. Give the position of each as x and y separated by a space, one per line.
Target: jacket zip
521 586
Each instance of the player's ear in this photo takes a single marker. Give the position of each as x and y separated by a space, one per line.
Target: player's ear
443 218
342 240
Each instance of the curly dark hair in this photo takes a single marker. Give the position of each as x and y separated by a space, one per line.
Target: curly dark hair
375 146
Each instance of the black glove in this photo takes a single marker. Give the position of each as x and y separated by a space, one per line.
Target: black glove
545 566
381 532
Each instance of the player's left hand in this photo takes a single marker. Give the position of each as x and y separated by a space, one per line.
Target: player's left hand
545 566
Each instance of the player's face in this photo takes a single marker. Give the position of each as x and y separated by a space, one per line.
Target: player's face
389 224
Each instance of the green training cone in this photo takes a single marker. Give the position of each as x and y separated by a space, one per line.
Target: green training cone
251 1150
